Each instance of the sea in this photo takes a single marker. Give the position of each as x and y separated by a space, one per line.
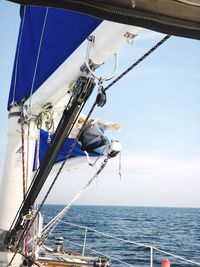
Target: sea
126 234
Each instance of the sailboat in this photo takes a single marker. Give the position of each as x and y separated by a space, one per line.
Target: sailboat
53 77
46 125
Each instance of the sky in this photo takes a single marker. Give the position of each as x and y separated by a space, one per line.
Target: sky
158 106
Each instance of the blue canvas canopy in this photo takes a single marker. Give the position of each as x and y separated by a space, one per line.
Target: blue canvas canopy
76 152
47 37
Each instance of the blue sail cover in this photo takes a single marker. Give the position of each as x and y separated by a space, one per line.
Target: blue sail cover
76 152
46 39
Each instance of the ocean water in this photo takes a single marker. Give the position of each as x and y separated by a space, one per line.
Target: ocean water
175 230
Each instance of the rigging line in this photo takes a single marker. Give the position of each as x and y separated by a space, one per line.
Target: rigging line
54 222
38 56
37 169
23 162
90 163
25 231
32 182
17 56
27 154
67 157
134 65
138 61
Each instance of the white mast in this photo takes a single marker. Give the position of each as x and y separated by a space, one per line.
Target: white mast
11 193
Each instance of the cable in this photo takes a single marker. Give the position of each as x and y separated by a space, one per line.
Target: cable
23 162
53 223
25 231
138 61
38 56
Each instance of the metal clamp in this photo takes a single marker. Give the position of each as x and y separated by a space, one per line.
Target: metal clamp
91 40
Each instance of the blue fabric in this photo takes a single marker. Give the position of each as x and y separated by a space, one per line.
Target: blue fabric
64 32
76 152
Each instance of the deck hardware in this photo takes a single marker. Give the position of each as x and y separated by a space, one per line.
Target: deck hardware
91 40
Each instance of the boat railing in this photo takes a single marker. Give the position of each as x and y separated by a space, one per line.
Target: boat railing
151 249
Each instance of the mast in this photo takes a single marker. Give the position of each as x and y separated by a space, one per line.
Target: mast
83 89
51 91
11 192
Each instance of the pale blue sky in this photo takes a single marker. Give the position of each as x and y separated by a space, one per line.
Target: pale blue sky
158 105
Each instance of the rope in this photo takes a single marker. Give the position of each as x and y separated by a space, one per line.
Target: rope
27 153
38 55
80 132
67 157
111 84
25 231
23 162
138 61
94 105
63 163
23 177
32 182
54 222
108 235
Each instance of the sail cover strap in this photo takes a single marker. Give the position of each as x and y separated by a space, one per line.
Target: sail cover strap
64 32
